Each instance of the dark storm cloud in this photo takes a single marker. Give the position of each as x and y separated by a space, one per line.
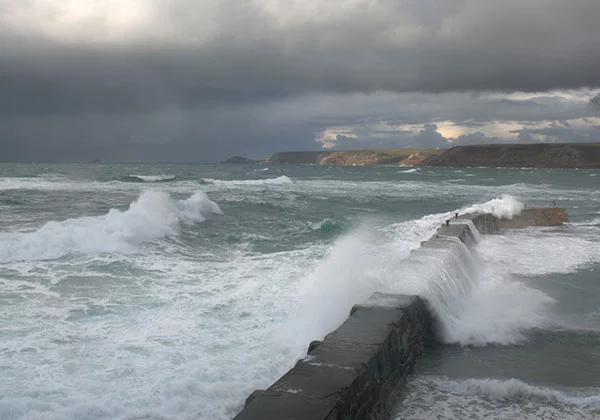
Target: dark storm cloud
185 80
595 102
560 135
431 46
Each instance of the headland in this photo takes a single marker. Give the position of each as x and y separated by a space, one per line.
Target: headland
539 155
535 155
399 157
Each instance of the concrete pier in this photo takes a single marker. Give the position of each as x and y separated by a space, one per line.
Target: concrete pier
357 371
488 223
354 372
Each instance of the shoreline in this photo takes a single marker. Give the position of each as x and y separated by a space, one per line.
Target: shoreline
530 156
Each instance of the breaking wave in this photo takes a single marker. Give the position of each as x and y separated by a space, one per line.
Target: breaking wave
280 180
152 216
505 207
149 178
325 226
443 398
475 303
515 390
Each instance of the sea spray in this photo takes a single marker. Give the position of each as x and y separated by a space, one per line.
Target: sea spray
527 252
185 327
347 276
448 276
505 207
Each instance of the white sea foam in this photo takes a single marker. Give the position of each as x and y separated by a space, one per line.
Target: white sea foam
410 171
188 339
504 207
442 398
513 389
280 180
51 183
475 303
64 184
533 252
189 333
154 178
498 310
363 261
476 234
152 216
347 276
469 298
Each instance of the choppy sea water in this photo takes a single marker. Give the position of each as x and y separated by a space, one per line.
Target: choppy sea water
173 291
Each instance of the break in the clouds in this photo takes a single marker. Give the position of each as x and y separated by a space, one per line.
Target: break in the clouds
198 80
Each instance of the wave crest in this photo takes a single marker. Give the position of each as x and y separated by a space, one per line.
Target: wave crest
504 207
152 216
513 389
280 180
150 178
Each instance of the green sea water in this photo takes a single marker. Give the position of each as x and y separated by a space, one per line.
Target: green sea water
173 291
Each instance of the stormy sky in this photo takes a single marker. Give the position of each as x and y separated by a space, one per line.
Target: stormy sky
200 80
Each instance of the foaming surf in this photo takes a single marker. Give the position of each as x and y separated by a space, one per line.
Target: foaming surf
410 171
150 178
193 321
504 207
468 298
532 252
280 180
443 398
152 216
474 304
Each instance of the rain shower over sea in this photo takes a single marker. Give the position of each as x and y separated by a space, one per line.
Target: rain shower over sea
173 291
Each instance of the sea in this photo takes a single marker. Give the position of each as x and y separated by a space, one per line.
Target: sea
155 292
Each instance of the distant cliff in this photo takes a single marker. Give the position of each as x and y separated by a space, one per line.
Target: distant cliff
402 157
539 155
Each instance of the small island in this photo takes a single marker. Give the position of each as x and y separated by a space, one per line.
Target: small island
240 160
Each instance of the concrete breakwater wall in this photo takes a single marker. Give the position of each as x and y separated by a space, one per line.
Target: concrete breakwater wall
353 373
357 371
488 223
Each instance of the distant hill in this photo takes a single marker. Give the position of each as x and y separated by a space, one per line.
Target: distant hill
401 157
538 155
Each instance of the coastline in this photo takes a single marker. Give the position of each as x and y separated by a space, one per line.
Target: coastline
538 155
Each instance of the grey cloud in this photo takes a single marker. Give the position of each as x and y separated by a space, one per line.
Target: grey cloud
429 137
211 133
208 79
560 135
526 102
595 102
450 46
475 138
